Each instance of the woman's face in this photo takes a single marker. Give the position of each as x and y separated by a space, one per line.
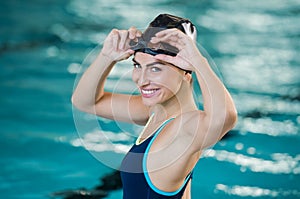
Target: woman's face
157 81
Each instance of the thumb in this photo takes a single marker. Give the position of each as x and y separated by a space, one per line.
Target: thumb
130 51
165 58
177 61
125 55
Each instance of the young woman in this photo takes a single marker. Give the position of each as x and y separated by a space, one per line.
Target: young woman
160 163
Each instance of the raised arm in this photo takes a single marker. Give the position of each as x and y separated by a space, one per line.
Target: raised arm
89 95
219 115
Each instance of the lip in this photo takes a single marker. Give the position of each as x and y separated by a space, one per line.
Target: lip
148 93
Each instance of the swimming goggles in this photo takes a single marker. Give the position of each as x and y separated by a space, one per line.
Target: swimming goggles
142 46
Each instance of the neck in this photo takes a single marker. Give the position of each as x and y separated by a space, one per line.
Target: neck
180 103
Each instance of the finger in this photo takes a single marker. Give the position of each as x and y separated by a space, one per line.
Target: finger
165 39
123 37
176 44
170 37
130 52
134 33
172 31
164 32
177 61
126 55
115 38
165 58
139 33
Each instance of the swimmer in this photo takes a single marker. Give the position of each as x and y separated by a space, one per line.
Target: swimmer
164 57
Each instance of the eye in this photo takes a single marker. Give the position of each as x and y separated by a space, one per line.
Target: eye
155 69
137 66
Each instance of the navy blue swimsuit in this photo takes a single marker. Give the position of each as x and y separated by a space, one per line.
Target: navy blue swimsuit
135 178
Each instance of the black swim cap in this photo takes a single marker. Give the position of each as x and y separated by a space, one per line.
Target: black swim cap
162 22
167 21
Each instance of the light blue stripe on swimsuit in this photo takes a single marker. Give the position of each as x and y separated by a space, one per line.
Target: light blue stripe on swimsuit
146 172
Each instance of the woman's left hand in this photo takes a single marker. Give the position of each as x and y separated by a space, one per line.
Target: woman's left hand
186 46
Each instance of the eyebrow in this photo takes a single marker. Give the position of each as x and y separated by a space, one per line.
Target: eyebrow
161 62
153 63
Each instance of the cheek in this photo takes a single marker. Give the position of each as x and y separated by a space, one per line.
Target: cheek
134 76
172 79
171 83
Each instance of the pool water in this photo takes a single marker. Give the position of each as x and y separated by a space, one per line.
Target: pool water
47 146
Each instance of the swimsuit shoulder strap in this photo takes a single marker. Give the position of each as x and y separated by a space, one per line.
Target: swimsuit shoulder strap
145 171
161 127
157 131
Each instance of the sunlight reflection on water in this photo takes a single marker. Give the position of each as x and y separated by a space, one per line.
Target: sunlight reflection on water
246 191
279 163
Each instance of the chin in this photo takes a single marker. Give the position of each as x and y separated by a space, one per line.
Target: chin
150 102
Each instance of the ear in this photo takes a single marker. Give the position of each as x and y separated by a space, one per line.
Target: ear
187 77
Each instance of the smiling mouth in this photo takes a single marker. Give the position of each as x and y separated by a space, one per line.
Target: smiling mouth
149 92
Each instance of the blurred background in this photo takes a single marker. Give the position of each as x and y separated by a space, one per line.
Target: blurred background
46 146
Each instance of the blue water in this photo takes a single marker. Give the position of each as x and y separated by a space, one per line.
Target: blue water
46 146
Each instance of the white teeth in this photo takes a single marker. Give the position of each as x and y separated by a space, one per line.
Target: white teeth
148 92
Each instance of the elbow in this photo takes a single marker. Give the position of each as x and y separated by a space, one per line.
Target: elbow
230 120
81 105
226 123
76 103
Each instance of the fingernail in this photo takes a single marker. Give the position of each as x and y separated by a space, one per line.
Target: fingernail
153 39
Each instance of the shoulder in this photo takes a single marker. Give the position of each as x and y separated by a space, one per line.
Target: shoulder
184 127
195 130
190 121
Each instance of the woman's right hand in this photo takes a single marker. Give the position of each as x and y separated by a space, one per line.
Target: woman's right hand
116 45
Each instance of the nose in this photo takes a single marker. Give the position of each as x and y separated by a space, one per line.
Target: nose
143 78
